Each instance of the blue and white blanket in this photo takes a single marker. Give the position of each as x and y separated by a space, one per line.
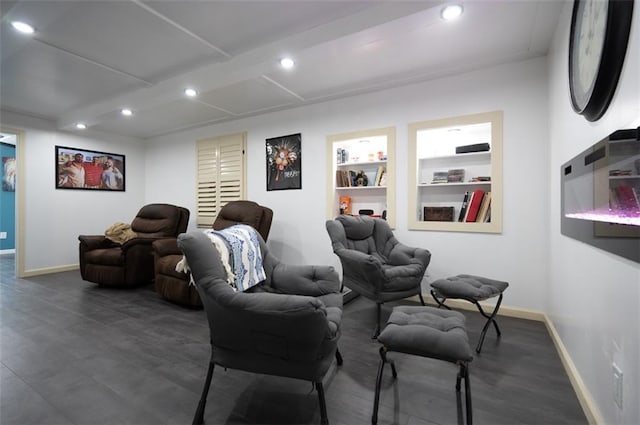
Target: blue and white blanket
239 250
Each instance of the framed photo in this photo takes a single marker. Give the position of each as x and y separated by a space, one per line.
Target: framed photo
8 174
284 167
82 169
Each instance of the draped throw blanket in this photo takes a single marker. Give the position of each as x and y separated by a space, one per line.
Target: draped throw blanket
120 233
239 250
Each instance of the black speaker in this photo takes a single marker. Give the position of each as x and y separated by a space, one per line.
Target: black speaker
478 147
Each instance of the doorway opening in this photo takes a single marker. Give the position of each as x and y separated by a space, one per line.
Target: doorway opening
11 234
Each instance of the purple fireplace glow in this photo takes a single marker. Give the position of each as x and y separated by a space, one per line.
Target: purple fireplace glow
601 195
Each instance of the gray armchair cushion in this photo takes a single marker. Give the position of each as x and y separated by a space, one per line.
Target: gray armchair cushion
427 332
468 286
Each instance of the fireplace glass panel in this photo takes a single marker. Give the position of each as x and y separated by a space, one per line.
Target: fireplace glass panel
601 195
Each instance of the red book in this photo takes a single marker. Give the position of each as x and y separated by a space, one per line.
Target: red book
626 198
474 206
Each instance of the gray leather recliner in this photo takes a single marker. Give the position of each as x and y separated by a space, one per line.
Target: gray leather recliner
374 263
288 325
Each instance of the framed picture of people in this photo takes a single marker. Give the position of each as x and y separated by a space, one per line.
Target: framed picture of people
284 162
83 169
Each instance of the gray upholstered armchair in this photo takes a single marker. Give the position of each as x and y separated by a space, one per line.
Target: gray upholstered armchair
374 264
288 325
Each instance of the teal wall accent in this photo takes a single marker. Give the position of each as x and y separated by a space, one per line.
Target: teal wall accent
7 203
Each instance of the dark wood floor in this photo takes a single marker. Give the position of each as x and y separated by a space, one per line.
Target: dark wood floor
74 353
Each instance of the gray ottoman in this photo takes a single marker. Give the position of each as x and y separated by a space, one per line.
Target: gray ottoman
473 289
426 332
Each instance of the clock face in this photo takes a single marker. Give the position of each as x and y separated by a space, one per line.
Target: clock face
589 34
597 47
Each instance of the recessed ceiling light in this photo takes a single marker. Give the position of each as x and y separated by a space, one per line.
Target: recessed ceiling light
190 92
451 12
23 27
126 112
287 63
81 126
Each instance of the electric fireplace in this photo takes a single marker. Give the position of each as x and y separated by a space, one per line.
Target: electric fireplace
601 195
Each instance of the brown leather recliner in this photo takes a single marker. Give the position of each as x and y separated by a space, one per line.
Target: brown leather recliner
108 263
175 286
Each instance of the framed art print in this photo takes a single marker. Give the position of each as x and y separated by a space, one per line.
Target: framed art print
284 168
83 169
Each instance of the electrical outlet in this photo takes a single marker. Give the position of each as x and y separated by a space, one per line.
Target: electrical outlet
3 235
617 385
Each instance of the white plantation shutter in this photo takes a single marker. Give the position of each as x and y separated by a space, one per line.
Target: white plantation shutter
221 175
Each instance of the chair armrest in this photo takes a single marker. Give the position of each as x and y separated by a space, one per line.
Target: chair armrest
136 242
361 267
305 280
402 255
166 246
90 242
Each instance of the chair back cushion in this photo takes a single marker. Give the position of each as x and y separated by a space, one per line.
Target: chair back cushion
160 220
245 212
368 235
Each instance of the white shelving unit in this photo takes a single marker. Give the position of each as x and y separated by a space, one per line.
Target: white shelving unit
369 152
433 145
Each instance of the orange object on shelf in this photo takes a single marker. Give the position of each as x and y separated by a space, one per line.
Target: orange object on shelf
345 205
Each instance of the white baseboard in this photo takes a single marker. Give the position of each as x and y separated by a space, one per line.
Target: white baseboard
48 270
584 396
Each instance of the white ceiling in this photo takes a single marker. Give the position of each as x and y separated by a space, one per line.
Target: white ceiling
90 58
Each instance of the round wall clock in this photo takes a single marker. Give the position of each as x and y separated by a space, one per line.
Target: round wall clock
597 47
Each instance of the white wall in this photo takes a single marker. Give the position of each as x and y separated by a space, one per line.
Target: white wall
54 218
518 255
593 297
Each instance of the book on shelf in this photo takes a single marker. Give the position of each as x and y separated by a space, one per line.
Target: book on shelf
480 179
626 198
438 214
455 175
343 178
463 208
383 179
345 205
440 177
487 218
474 205
379 173
484 208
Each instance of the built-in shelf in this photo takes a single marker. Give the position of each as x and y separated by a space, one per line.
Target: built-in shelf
442 179
374 152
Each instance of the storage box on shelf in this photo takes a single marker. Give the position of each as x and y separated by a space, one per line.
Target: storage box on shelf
361 172
458 165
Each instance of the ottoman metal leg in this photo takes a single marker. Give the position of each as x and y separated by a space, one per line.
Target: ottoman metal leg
490 319
383 360
376 332
440 302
